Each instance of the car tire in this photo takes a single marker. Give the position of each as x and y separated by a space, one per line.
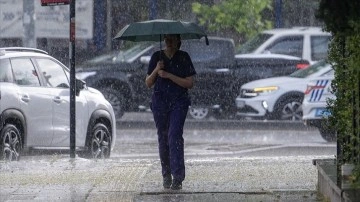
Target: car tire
288 108
327 133
199 113
11 142
99 143
116 100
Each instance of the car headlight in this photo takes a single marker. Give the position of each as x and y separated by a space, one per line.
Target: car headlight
84 75
265 90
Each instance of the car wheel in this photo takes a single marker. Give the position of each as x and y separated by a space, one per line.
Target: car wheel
116 100
100 142
10 146
199 112
327 133
289 109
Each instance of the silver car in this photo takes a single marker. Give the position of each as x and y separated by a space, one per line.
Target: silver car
35 108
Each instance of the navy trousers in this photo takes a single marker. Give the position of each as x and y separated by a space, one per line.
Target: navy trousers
169 118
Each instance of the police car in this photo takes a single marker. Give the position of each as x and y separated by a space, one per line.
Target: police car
279 98
315 106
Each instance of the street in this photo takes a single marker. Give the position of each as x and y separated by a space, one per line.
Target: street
223 138
231 164
142 143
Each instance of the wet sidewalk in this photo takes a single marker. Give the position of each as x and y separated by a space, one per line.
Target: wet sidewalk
59 178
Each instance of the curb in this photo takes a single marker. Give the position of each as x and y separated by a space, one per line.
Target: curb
221 125
327 177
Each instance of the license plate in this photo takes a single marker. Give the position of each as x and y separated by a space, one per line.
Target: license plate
322 112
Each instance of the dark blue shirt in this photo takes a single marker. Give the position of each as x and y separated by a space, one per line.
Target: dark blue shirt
180 65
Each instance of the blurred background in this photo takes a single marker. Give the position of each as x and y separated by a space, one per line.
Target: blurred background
27 23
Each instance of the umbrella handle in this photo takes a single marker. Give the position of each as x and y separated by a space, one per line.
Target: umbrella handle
160 45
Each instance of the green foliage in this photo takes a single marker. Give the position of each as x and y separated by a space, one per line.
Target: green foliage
345 54
337 14
356 177
244 16
341 19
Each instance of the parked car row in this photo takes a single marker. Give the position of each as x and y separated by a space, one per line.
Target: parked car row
221 70
35 109
35 88
300 96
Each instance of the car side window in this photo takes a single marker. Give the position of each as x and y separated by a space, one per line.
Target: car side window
24 72
319 47
5 71
53 73
214 53
292 45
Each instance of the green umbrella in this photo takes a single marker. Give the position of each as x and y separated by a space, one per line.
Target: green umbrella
154 30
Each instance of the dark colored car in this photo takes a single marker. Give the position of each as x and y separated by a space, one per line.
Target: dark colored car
120 75
217 86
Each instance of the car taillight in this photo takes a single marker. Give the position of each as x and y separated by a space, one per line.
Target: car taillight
302 65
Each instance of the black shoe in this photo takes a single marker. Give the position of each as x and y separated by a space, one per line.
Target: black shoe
167 181
176 185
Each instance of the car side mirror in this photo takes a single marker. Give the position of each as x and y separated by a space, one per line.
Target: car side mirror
145 59
80 85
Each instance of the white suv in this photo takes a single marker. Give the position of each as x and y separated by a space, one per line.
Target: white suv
308 43
279 98
35 109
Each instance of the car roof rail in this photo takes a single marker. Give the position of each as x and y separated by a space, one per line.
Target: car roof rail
24 49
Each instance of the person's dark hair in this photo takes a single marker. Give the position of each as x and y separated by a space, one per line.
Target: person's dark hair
178 37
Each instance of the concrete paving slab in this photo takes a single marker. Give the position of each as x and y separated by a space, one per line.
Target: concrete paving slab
59 178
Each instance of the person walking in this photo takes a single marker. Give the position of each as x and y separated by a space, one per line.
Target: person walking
171 73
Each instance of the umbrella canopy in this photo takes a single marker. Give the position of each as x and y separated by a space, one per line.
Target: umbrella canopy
154 30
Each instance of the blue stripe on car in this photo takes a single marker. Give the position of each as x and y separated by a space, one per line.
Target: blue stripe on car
318 90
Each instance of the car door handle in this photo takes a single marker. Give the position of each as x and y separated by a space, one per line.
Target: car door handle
57 99
223 70
25 98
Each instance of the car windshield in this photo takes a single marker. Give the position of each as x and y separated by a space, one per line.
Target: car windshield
251 45
126 55
303 73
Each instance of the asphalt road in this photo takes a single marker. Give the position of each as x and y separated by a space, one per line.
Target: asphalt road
142 143
223 164
136 137
144 120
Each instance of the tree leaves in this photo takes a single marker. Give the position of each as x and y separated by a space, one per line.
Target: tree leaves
245 17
